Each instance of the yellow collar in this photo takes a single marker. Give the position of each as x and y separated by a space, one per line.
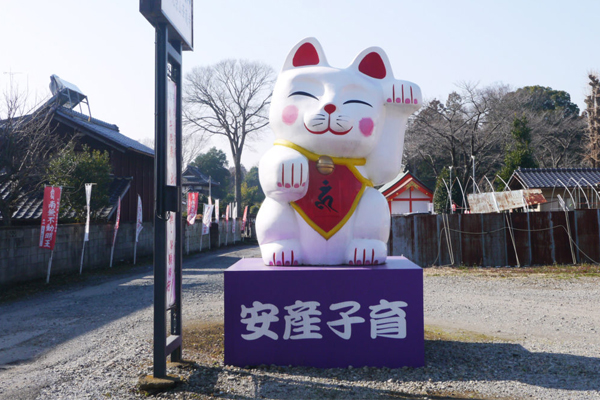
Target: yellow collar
315 157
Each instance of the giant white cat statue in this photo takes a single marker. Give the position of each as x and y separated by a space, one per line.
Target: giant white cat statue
339 133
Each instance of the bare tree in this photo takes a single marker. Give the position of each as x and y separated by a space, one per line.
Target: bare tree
556 139
27 143
192 145
471 123
229 99
592 101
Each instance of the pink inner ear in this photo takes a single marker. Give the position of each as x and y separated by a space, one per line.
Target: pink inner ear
373 66
306 55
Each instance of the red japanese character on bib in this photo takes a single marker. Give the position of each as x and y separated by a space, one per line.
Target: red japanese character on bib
339 132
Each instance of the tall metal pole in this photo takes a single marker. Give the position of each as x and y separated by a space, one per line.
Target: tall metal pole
473 158
450 191
160 223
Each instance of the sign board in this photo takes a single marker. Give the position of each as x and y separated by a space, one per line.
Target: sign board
500 201
171 261
177 14
171 169
317 318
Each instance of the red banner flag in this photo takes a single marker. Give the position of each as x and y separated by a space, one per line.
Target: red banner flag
192 207
50 217
245 218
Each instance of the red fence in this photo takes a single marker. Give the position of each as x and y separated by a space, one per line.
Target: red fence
535 238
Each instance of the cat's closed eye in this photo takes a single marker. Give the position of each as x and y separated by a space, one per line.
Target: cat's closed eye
300 93
358 102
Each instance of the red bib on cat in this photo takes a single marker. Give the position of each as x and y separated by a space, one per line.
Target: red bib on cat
330 199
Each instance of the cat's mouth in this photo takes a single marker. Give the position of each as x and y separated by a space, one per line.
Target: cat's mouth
327 130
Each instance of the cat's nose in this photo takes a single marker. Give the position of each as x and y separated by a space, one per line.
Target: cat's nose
330 108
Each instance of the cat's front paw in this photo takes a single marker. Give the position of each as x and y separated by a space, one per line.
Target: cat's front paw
283 252
366 252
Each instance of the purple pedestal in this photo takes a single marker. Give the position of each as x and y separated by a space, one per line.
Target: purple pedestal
324 317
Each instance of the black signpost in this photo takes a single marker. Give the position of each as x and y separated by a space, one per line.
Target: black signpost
173 21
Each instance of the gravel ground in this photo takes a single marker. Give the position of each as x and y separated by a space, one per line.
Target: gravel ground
490 336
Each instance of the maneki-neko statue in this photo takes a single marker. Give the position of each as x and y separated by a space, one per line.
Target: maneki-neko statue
339 133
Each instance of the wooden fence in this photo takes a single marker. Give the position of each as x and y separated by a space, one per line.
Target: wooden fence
535 238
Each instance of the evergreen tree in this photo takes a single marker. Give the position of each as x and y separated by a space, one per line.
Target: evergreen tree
72 169
519 154
441 200
214 164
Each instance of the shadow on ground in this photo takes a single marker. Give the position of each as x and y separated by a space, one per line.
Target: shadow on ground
448 362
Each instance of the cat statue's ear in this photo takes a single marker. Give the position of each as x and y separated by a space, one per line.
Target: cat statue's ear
400 100
307 52
374 63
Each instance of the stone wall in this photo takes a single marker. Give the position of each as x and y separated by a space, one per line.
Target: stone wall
22 260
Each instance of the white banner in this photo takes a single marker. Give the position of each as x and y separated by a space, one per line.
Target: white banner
88 197
206 218
139 219
233 217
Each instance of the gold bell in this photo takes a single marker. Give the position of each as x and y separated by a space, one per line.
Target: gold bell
325 165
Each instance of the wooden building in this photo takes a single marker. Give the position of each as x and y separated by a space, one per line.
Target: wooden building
406 194
132 162
577 187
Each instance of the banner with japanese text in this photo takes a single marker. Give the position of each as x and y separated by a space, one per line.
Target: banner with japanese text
227 211
192 207
245 218
88 197
118 220
171 169
171 262
206 218
50 211
139 219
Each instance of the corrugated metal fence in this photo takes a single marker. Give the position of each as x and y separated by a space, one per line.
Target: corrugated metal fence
535 238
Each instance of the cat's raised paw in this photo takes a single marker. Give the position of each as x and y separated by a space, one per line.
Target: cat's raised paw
294 174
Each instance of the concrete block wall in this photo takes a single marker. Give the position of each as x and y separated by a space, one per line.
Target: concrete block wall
22 260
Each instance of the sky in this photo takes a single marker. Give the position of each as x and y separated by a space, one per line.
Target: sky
106 47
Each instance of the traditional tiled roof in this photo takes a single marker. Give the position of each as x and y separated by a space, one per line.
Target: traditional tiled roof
391 188
100 130
551 177
192 176
30 207
394 181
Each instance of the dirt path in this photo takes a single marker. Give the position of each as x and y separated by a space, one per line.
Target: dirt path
490 336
